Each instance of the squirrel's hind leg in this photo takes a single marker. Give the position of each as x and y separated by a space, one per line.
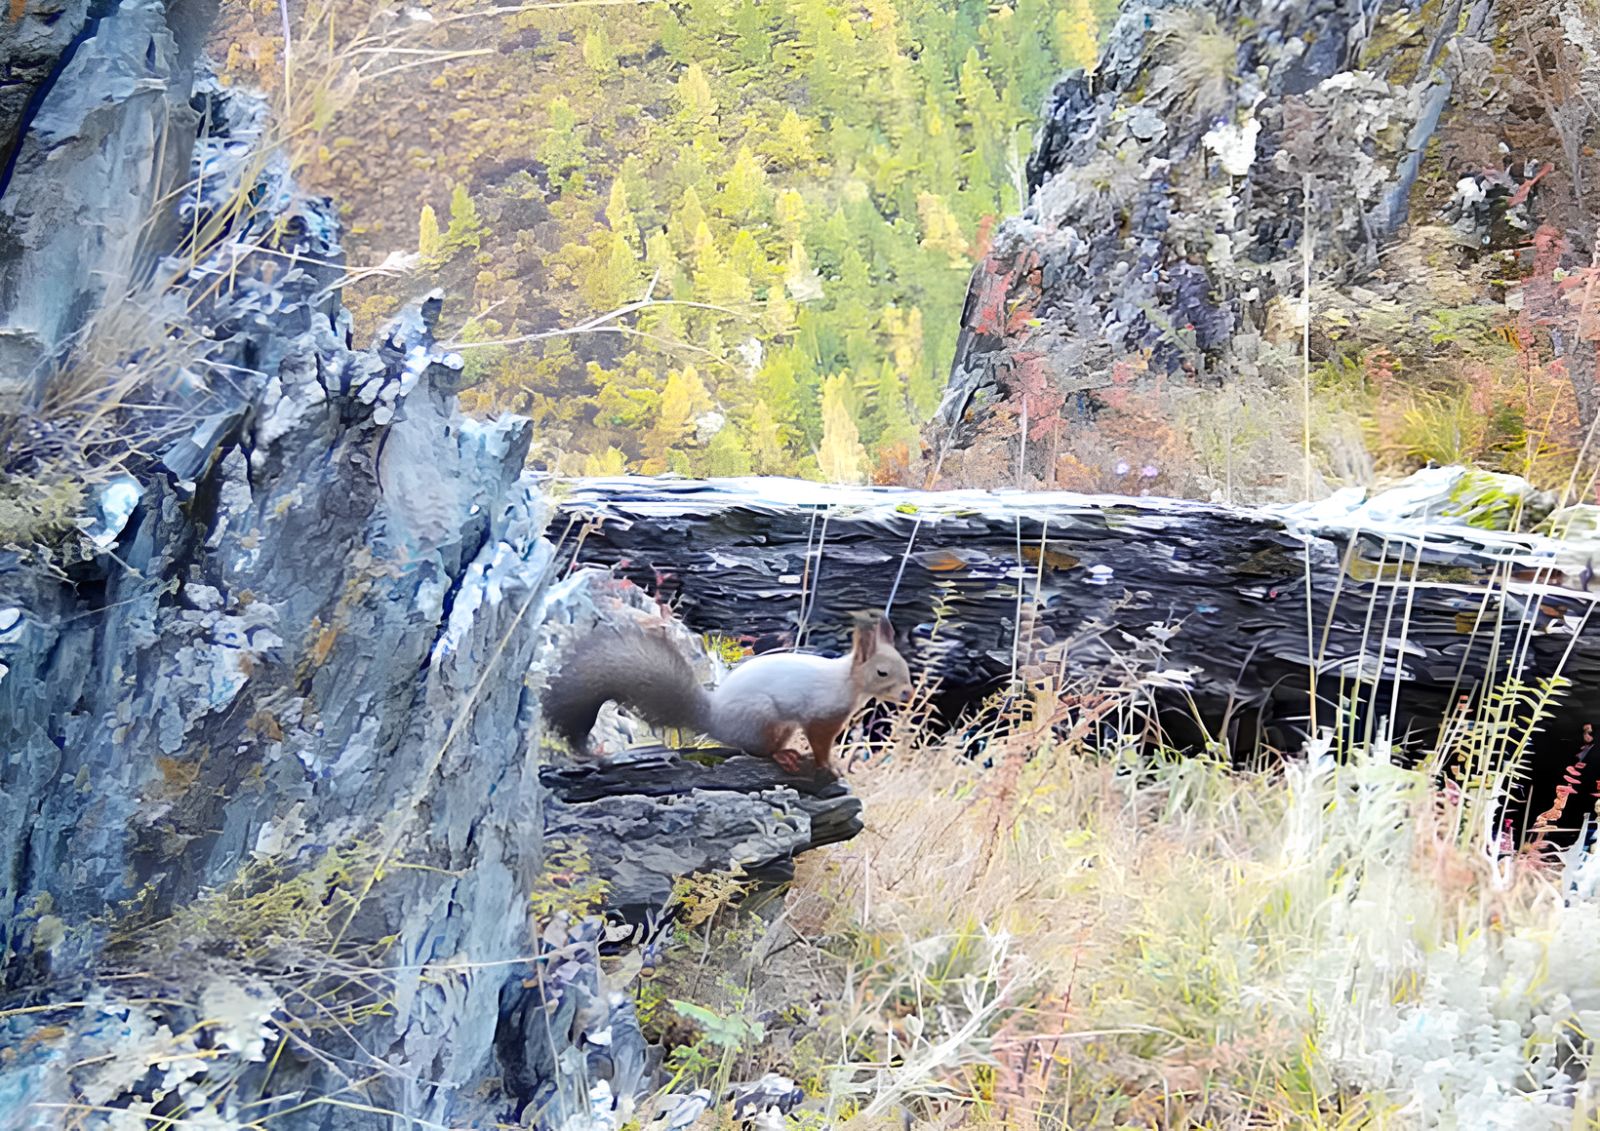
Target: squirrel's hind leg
822 737
789 759
778 749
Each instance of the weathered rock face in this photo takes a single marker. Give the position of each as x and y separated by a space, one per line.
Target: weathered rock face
97 127
29 53
1176 193
722 806
270 797
1213 602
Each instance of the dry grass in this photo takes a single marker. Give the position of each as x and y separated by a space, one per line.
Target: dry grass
1126 909
1072 937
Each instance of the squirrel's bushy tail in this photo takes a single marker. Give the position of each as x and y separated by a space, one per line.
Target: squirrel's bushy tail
640 669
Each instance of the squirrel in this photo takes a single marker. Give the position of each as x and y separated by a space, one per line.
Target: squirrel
757 709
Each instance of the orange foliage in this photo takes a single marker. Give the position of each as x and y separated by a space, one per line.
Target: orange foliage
894 466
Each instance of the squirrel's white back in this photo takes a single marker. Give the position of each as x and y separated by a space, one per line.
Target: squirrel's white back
798 684
783 687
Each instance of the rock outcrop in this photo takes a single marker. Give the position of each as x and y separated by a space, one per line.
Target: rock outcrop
96 128
271 808
1220 158
1411 587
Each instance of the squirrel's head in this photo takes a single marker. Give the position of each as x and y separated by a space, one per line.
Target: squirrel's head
881 672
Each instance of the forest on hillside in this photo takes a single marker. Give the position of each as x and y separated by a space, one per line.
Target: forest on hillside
717 237
787 198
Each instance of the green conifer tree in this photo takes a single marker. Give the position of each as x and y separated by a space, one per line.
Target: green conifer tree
980 103
638 183
726 454
597 52
466 230
746 258
744 195
891 410
562 150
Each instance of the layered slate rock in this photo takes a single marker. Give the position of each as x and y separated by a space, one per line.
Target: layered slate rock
1231 608
704 808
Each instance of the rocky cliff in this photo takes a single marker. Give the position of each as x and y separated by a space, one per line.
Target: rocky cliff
1228 166
271 811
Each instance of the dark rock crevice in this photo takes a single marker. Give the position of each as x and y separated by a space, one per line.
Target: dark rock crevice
37 54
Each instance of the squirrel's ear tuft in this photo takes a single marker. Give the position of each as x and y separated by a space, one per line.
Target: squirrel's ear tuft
865 639
885 632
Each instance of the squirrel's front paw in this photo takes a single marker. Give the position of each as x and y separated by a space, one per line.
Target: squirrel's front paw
788 760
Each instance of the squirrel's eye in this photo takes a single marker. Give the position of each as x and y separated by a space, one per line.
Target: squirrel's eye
883 671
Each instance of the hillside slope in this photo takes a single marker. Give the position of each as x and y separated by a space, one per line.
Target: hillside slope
808 183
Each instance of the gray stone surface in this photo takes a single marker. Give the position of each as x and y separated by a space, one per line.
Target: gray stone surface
1214 597
30 50
108 132
706 813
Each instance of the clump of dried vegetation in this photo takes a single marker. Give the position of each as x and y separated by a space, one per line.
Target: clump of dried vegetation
1048 924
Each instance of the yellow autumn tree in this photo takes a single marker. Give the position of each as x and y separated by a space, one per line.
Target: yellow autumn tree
694 94
598 53
941 231
792 147
430 240
616 275
779 317
683 398
790 213
840 456
687 224
768 449
1075 34
799 278
619 214
466 229
658 251
744 194
612 461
